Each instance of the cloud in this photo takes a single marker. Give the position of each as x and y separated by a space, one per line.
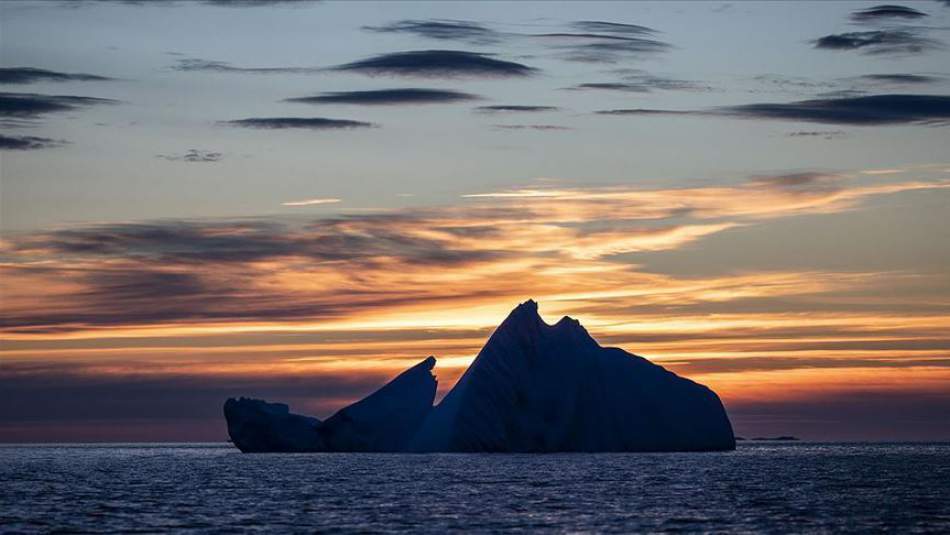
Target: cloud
438 63
859 111
869 110
28 75
441 29
515 108
193 156
886 12
312 202
648 111
217 3
34 105
601 47
495 245
308 123
28 142
826 134
899 79
596 26
376 97
612 86
806 180
543 127
204 65
880 42
257 3
643 83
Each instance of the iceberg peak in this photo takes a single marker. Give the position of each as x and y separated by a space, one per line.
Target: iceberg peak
533 387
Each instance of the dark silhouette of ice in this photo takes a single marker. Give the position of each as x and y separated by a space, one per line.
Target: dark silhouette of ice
388 419
534 387
257 426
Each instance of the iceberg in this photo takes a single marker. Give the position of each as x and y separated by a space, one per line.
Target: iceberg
533 387
257 426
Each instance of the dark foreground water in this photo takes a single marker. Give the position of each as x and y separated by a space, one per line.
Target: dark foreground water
785 487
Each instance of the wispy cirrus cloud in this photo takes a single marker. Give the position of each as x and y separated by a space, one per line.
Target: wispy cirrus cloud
387 97
601 47
312 202
825 134
213 272
205 65
193 156
599 26
437 63
541 127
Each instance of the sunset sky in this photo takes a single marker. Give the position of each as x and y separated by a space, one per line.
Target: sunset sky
296 200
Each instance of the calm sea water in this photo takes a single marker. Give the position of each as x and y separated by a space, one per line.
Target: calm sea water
785 487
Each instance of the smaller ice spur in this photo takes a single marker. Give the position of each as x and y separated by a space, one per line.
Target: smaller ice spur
533 387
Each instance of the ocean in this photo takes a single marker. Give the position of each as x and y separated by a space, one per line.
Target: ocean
762 486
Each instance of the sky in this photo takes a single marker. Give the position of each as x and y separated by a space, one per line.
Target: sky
296 200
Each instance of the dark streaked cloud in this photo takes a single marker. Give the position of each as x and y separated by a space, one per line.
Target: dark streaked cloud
257 3
218 3
869 110
28 142
879 42
886 12
515 108
541 127
597 26
644 84
899 79
193 156
33 105
442 29
28 75
437 63
648 111
860 111
309 123
204 65
407 95
612 86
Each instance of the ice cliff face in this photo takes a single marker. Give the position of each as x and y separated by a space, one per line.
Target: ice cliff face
533 388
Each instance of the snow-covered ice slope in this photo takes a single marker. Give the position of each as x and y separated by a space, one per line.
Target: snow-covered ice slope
543 388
